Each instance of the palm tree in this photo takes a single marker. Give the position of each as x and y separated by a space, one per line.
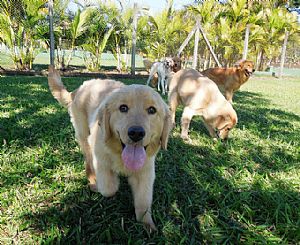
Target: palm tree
277 22
163 33
21 29
78 26
121 37
101 25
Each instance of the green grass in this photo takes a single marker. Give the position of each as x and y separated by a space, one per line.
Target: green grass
42 60
246 190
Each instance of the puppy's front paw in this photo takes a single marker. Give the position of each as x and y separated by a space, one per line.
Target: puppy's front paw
108 191
148 223
150 227
108 186
185 138
145 217
93 187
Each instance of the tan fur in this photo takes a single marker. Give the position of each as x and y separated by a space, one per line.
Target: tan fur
154 81
177 64
175 68
200 96
147 64
230 79
100 128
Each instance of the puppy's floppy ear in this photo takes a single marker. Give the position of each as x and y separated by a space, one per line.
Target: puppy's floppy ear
166 128
239 64
220 122
103 121
224 120
233 117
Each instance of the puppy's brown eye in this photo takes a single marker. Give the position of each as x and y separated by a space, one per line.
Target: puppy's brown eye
151 110
123 108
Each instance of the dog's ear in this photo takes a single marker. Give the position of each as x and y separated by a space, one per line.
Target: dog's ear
220 122
234 118
166 128
239 64
103 121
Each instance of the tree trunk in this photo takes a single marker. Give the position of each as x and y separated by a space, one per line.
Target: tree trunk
125 54
119 65
246 41
50 6
195 59
134 39
258 59
283 54
261 61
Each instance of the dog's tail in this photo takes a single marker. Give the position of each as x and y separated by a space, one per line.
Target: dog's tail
57 88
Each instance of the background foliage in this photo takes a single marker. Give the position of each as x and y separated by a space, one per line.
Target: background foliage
97 27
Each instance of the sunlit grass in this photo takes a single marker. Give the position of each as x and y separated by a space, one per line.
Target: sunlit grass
243 191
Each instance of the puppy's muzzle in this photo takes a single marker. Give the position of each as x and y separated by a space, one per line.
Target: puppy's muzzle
136 133
217 131
249 73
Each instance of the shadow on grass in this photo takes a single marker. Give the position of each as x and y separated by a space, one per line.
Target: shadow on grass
193 202
196 198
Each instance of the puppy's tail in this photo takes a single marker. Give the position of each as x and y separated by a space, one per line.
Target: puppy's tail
57 88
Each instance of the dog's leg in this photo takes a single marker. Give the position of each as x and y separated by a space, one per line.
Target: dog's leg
186 118
174 101
167 78
163 84
229 95
89 169
149 79
166 84
81 133
152 72
142 188
107 181
159 82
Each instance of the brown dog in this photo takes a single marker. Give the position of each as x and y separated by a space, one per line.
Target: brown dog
154 81
120 129
147 64
175 68
177 64
200 96
230 79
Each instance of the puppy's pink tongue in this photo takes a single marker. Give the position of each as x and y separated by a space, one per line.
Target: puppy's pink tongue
134 157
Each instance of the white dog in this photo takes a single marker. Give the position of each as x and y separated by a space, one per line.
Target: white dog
164 71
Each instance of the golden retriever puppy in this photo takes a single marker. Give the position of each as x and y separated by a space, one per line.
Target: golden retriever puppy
176 64
120 130
175 67
200 96
230 79
154 81
147 64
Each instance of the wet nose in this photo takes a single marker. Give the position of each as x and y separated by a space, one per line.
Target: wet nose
136 133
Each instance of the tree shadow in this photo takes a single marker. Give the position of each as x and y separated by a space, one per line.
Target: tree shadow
193 202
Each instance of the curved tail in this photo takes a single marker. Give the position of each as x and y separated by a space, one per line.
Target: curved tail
57 88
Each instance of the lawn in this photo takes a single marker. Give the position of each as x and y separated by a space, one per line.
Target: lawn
42 60
246 190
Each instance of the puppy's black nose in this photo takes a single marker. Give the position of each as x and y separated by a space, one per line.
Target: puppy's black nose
136 133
